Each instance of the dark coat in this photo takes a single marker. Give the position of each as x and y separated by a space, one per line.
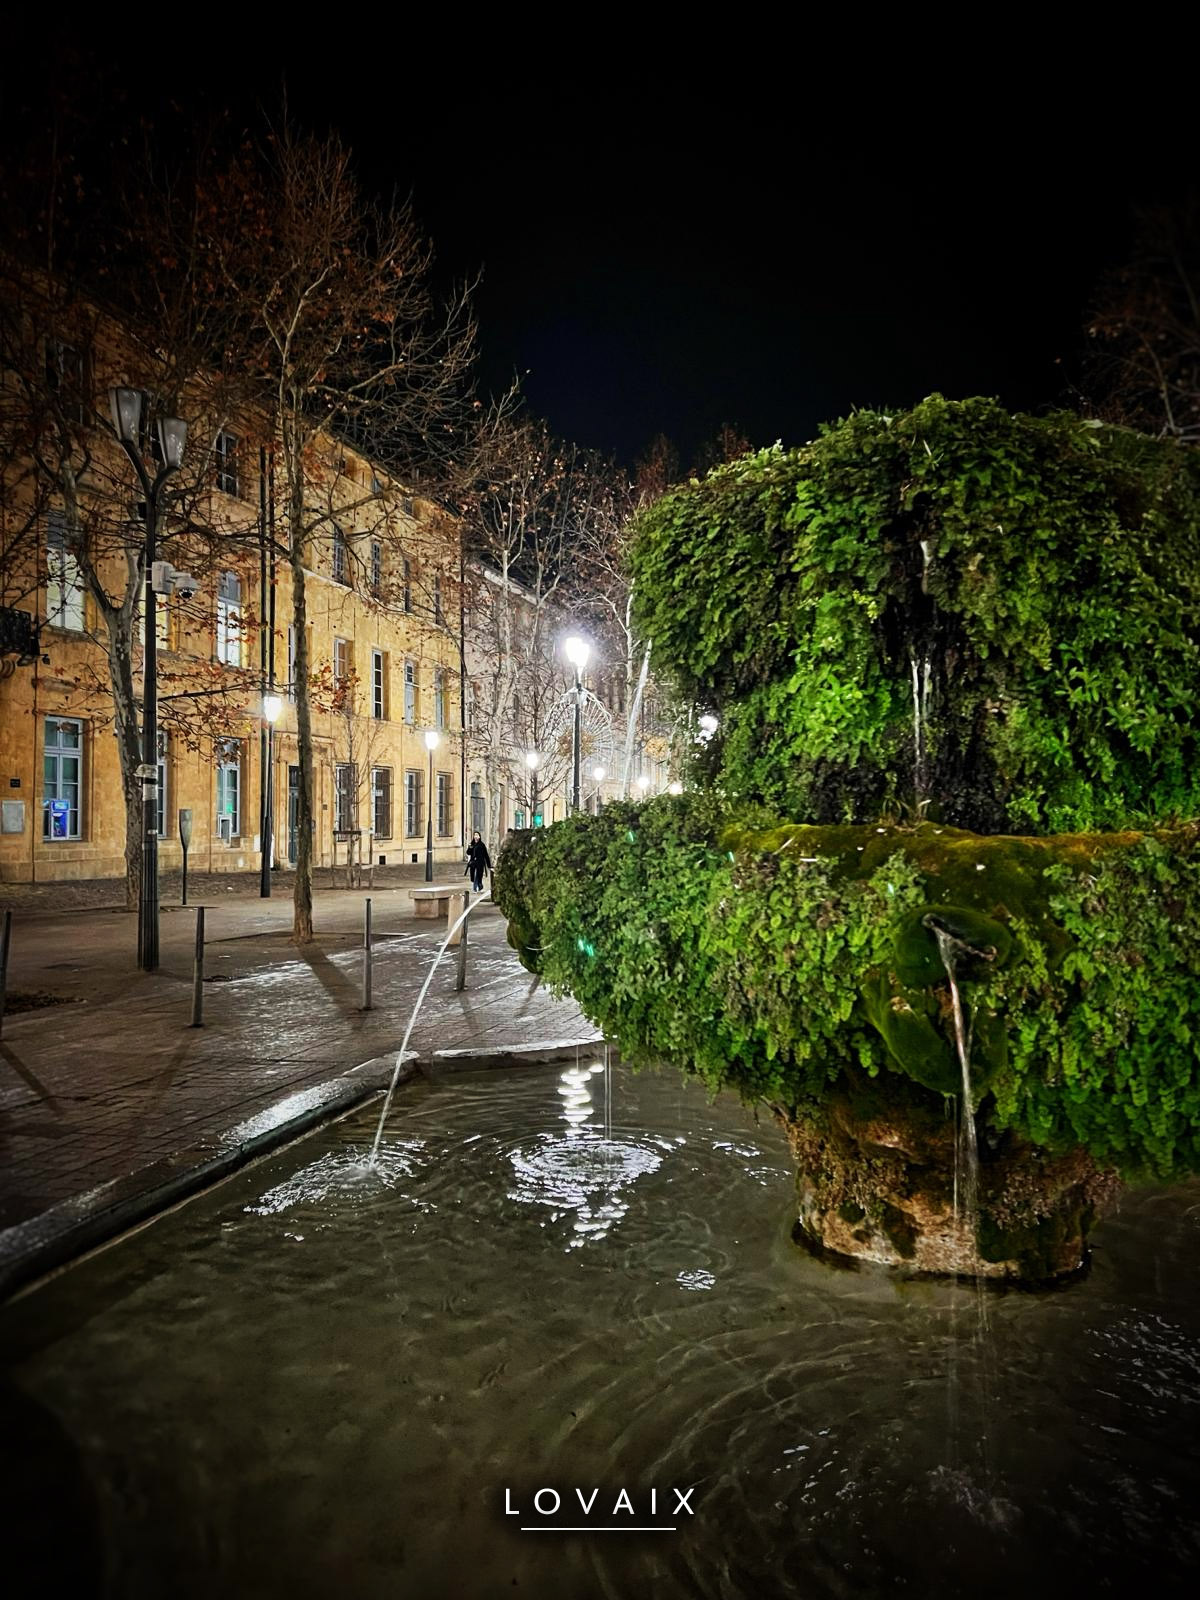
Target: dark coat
477 856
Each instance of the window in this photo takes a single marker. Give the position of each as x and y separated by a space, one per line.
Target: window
229 788
345 795
519 818
225 457
437 598
162 784
477 816
439 697
407 584
66 379
414 820
291 677
516 717
445 802
64 581
381 802
378 685
376 566
62 777
341 557
229 619
342 661
410 692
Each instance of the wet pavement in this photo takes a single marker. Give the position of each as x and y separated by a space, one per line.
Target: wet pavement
112 1105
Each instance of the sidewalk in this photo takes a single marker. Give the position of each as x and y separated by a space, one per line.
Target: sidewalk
112 1106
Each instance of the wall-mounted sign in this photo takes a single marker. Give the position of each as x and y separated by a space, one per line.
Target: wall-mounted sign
12 816
60 818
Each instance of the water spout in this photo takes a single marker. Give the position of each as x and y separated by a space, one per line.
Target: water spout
403 1051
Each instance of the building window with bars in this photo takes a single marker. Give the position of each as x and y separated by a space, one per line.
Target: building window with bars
229 788
445 802
345 796
162 784
439 697
376 566
225 459
343 662
229 619
66 380
381 802
414 818
379 685
341 557
410 692
64 580
407 585
62 778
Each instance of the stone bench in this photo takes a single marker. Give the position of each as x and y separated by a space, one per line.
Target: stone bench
441 900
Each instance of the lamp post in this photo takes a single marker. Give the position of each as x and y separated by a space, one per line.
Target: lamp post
643 784
675 787
577 651
129 416
598 775
272 705
531 761
432 740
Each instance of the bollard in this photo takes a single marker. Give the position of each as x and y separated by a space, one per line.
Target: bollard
460 978
366 981
5 941
198 973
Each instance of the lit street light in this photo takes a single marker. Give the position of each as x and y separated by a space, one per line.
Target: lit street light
129 416
272 706
577 651
675 788
598 775
643 784
432 740
531 761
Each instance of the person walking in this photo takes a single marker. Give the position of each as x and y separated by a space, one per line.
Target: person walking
478 861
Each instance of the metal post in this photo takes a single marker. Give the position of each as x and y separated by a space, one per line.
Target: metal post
148 901
183 902
5 942
366 972
264 731
577 742
461 975
429 825
198 972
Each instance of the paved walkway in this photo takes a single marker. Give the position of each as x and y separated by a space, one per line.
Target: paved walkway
111 1104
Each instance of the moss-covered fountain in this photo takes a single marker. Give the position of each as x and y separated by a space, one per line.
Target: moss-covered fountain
935 896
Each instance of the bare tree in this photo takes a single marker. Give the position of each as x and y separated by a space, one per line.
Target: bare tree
349 348
91 295
1144 331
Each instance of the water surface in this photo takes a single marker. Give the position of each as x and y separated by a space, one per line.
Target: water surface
320 1381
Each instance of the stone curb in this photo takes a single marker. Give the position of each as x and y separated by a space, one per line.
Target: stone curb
37 1246
515 1055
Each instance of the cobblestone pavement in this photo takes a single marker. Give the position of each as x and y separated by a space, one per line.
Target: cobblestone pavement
111 1096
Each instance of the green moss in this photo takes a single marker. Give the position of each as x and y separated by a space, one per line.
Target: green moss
850 1212
771 961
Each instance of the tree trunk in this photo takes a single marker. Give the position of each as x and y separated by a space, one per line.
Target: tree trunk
302 924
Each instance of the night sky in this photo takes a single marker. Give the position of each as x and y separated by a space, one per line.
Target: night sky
758 232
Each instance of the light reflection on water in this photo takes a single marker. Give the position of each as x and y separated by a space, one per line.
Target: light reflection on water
319 1379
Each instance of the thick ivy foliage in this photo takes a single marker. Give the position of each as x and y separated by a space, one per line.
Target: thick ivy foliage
1038 578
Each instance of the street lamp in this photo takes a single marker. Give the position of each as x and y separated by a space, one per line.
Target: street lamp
129 415
531 761
577 651
598 775
432 740
643 784
272 705
675 788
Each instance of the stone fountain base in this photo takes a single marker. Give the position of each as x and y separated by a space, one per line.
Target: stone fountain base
875 1182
